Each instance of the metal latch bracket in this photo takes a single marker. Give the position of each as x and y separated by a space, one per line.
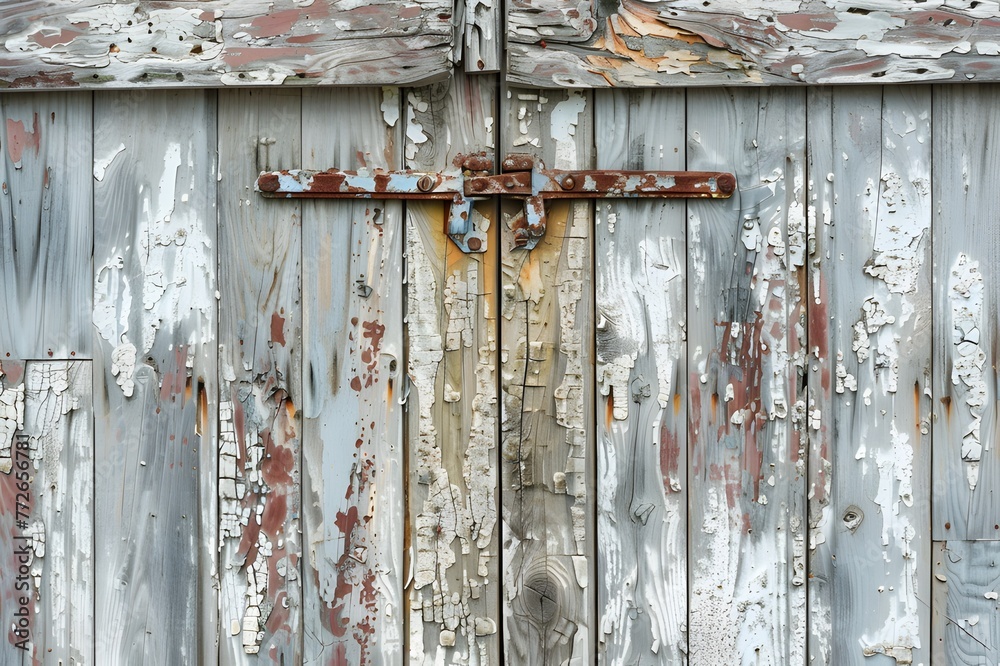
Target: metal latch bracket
521 176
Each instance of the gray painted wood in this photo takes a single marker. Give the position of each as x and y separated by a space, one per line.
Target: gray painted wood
46 226
966 333
546 379
354 393
870 313
155 396
746 482
966 617
46 512
641 280
260 328
700 43
484 39
451 315
94 44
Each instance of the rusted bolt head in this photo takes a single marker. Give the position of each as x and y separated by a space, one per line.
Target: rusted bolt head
425 184
726 183
520 237
568 183
268 182
477 185
509 184
475 244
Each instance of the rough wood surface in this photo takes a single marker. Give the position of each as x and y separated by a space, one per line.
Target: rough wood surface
546 365
451 314
966 314
46 226
640 273
95 44
155 393
484 39
966 616
260 323
46 512
745 376
640 43
870 364
353 456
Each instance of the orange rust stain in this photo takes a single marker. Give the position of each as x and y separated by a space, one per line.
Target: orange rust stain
609 411
678 403
389 393
277 329
202 419
290 408
946 401
19 138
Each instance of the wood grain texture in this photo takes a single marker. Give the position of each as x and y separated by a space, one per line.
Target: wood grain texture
635 43
260 326
46 512
746 483
870 328
94 44
547 429
156 394
484 39
352 298
46 226
451 314
640 275
966 616
966 425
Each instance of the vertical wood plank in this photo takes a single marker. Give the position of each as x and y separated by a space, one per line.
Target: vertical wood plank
640 267
547 429
966 613
966 313
260 323
353 461
745 376
454 596
46 225
46 512
870 363
156 400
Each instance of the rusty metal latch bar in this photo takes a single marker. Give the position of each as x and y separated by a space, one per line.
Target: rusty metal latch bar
522 176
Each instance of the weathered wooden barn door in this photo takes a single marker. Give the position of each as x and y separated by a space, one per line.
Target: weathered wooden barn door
246 430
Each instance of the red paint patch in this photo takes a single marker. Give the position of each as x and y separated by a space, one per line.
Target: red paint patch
19 138
238 56
807 22
278 329
48 41
276 24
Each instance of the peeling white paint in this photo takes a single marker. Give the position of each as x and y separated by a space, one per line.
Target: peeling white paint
968 359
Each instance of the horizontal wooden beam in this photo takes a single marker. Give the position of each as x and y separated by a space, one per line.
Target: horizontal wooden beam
756 42
90 44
